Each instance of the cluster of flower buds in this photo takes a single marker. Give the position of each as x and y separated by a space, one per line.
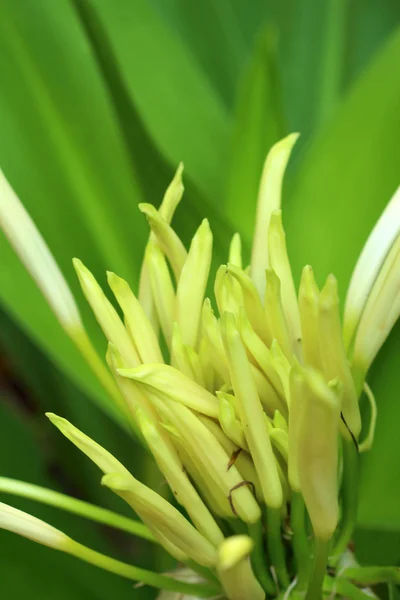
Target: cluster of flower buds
247 398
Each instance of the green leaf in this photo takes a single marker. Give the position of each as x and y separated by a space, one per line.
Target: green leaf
258 125
347 174
344 181
61 150
188 121
212 32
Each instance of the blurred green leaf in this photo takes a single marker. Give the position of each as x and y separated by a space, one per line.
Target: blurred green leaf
189 121
259 123
212 33
347 174
343 183
61 150
380 476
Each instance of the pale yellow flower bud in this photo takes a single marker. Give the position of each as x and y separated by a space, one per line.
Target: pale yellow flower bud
317 452
235 571
136 321
192 285
279 262
106 315
251 413
269 199
168 240
334 359
171 383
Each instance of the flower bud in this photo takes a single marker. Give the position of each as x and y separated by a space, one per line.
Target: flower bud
251 413
235 571
168 240
317 452
136 321
173 384
279 262
106 315
192 285
334 359
269 199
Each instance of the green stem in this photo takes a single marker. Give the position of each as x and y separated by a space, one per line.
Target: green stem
349 498
258 559
346 589
275 545
75 506
372 575
301 546
318 570
141 575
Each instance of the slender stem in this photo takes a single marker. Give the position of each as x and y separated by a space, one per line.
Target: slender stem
301 546
275 545
141 575
349 498
318 570
346 589
372 575
204 572
75 506
259 560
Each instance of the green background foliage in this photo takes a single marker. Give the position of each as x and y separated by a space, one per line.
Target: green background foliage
99 101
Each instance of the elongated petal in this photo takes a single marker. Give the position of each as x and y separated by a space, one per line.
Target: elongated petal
163 292
333 354
317 453
192 285
227 291
171 199
180 484
380 313
101 457
164 516
175 385
33 251
252 303
260 353
251 413
279 261
309 315
231 426
235 571
370 262
30 527
235 251
211 460
136 321
297 393
211 329
275 316
168 240
106 315
269 199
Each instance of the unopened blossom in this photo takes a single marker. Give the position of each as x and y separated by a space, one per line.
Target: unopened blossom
247 398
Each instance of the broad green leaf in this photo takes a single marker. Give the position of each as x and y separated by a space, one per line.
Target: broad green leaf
213 34
347 174
258 125
380 481
152 169
179 108
345 179
61 150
